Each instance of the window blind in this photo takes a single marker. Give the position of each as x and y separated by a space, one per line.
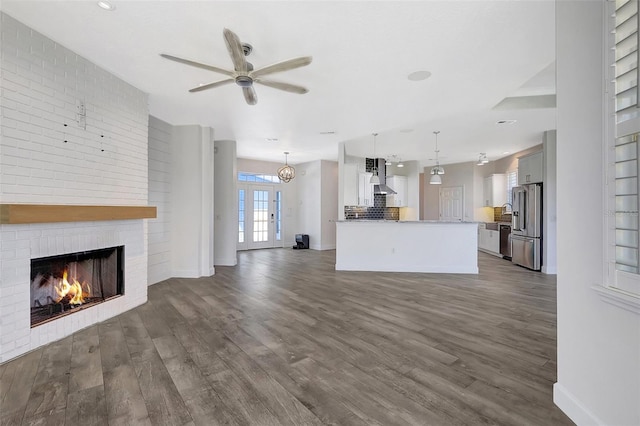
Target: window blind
627 253
626 60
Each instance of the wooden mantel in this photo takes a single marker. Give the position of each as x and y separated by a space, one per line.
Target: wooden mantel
48 213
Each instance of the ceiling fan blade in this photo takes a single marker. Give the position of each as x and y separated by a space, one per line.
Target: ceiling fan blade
287 87
211 85
235 50
197 64
282 66
250 95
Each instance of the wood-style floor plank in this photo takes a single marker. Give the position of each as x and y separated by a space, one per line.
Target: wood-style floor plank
284 339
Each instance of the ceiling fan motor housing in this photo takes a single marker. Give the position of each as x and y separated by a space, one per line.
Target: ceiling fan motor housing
244 81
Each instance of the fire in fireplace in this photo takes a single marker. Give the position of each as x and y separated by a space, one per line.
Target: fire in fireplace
61 285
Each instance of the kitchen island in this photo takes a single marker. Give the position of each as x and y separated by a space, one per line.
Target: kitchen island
411 246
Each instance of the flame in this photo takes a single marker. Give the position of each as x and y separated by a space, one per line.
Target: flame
73 290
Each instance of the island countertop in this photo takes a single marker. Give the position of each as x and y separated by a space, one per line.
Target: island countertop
406 221
407 246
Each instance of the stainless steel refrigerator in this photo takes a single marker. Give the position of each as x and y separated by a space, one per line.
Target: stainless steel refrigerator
526 232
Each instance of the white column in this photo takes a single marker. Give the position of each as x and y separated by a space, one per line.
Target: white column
226 203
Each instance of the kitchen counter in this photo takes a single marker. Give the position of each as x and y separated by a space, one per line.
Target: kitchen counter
407 246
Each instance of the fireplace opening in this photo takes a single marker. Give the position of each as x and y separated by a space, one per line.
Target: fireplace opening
62 285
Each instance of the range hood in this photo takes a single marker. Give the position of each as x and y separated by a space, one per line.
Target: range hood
379 163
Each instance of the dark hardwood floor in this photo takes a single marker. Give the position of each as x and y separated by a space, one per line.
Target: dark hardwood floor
284 339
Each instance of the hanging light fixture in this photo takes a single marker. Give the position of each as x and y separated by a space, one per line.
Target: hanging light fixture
482 159
400 163
437 170
375 179
286 172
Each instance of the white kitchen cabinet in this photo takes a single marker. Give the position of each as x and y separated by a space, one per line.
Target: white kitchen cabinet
350 183
365 189
488 240
495 190
398 184
493 244
531 168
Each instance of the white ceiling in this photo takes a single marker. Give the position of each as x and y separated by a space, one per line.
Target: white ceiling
478 53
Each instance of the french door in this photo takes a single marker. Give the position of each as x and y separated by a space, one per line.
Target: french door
259 217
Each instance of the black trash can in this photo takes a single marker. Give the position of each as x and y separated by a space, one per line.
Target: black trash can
302 241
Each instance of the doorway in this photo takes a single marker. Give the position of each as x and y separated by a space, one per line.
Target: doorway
452 203
259 216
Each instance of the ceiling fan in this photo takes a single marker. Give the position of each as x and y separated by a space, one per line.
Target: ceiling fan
243 73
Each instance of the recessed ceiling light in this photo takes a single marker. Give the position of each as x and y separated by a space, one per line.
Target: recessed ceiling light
419 75
330 132
506 121
272 139
505 153
106 5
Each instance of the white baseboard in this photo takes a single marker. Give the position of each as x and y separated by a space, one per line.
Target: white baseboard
573 408
227 261
185 273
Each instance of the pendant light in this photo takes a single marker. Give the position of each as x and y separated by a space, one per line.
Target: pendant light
286 172
375 179
482 160
437 170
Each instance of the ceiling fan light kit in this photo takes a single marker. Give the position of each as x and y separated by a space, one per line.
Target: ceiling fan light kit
482 160
286 173
244 74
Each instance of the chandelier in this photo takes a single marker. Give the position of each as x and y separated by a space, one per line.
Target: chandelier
286 172
437 170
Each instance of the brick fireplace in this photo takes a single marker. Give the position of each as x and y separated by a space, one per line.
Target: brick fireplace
22 243
71 134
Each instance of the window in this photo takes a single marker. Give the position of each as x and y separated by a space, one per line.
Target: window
278 215
241 210
512 182
253 177
260 216
623 226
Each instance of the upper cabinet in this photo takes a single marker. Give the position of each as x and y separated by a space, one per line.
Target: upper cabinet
495 190
530 168
365 189
398 184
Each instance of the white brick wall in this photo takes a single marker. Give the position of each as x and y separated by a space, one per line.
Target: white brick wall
41 85
160 196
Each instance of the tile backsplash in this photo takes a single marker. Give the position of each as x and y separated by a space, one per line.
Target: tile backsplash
361 212
499 217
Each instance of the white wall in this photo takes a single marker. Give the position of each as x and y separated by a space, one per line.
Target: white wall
103 164
318 202
309 177
192 201
598 342
225 203
159 267
550 215
329 204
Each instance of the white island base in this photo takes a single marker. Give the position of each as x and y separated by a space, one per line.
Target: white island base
420 246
